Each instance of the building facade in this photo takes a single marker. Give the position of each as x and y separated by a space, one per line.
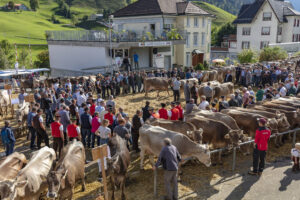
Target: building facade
160 18
266 22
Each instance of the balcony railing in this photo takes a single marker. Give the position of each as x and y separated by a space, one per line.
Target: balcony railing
124 36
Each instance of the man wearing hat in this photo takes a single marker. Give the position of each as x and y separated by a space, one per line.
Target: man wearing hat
295 157
262 137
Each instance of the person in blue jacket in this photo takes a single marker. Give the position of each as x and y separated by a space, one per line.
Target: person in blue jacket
8 139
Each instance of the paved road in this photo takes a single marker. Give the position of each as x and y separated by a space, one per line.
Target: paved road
277 182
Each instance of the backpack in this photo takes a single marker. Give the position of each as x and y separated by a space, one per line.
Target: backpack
4 137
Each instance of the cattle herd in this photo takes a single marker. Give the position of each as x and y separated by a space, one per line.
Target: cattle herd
200 132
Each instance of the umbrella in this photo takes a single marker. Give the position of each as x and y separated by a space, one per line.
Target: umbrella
218 61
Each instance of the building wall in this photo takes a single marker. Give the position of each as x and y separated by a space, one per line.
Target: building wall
77 57
255 37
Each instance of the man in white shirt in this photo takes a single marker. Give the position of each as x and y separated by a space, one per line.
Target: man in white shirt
282 90
203 104
68 85
176 90
81 99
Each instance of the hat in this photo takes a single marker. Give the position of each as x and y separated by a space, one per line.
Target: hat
297 146
262 120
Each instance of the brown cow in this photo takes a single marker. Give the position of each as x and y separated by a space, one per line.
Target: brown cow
11 165
278 106
69 169
248 121
30 181
117 166
156 83
185 128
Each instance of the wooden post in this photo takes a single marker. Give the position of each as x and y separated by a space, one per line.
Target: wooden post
101 153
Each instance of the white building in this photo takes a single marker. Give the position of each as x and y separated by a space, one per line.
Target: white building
266 22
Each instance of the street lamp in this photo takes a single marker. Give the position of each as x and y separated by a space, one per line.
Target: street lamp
110 18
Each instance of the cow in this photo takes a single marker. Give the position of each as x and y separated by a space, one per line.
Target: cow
219 89
187 129
213 75
278 106
4 102
226 119
28 83
191 82
117 166
151 141
287 103
31 180
156 83
249 121
69 169
22 112
11 165
283 124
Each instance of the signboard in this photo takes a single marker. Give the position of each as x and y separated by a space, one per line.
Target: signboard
154 44
101 153
29 98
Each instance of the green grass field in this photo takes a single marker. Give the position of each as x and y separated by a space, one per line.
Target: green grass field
222 16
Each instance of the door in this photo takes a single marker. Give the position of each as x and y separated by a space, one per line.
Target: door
198 58
167 62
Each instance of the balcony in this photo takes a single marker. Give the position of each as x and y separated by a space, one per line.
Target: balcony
116 37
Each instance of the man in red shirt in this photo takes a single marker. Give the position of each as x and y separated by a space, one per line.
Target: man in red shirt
173 113
93 107
262 137
163 113
110 117
74 131
57 132
178 106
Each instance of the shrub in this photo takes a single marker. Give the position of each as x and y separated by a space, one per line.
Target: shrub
272 53
247 56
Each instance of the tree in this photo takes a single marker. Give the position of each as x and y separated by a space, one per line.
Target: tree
247 56
219 33
85 18
23 57
43 60
34 4
272 53
4 63
11 5
74 20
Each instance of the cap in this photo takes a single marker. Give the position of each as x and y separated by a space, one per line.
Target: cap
263 121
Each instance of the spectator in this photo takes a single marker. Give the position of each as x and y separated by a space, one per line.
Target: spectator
122 131
223 104
40 129
57 132
86 125
21 96
8 139
104 132
194 92
32 131
259 94
190 106
295 157
228 77
136 61
111 102
187 91
233 102
137 122
95 125
65 121
169 158
163 112
146 114
176 90
238 98
110 117
73 131
178 106
203 103
262 137
153 114
208 92
246 95
173 114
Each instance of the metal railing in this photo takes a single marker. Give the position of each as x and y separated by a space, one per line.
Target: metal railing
294 131
104 36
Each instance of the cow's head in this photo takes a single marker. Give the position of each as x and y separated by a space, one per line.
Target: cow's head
203 154
197 135
283 124
232 138
9 189
272 124
56 180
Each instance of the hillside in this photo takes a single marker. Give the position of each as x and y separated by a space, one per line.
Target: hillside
232 6
222 16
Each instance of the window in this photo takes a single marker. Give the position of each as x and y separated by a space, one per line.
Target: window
298 23
279 30
265 31
195 21
245 45
203 39
267 16
264 44
195 40
188 58
203 22
246 30
188 39
188 21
